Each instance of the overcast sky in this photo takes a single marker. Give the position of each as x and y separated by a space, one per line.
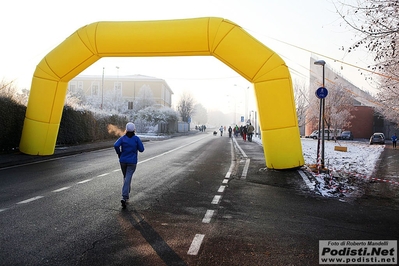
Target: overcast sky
293 29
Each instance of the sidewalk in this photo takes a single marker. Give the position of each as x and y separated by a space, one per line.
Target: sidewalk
382 184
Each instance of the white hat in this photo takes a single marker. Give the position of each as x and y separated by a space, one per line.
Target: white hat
130 127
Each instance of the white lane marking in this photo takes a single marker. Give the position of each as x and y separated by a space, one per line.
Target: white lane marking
238 146
84 181
231 168
216 199
30 200
175 149
306 179
221 189
103 175
196 244
116 170
208 216
245 170
1 210
225 181
61 189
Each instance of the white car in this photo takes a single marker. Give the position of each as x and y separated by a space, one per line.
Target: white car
377 138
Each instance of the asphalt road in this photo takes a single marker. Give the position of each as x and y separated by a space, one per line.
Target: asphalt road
196 200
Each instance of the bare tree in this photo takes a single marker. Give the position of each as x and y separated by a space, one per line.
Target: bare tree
338 108
376 23
151 116
301 102
185 106
200 114
9 90
339 105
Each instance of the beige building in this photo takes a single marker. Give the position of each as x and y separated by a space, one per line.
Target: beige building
122 91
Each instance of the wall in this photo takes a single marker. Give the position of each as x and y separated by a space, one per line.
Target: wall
362 122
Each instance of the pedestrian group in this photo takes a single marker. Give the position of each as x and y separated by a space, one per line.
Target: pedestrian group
246 131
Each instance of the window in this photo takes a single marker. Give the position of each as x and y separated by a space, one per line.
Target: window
95 88
80 85
72 86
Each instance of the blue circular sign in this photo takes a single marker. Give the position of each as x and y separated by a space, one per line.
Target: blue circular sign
321 93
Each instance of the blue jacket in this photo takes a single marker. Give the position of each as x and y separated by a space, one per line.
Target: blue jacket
127 149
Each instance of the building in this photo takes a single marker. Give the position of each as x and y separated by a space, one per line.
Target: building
122 91
366 119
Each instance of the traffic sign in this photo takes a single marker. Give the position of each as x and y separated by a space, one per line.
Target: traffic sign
321 93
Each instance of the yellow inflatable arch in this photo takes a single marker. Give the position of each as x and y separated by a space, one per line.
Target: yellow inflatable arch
218 37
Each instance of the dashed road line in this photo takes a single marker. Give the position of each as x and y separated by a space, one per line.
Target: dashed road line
197 241
196 244
103 175
57 190
30 200
61 189
208 216
216 199
84 181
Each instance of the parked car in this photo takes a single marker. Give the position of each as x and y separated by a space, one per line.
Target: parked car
313 135
377 138
328 134
346 135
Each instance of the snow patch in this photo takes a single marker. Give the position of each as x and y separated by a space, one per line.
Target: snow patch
347 171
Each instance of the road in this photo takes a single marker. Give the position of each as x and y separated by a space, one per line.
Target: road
196 200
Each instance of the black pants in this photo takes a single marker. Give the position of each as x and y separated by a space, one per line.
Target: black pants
250 136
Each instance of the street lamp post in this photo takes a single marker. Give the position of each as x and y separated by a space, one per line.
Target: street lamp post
321 93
